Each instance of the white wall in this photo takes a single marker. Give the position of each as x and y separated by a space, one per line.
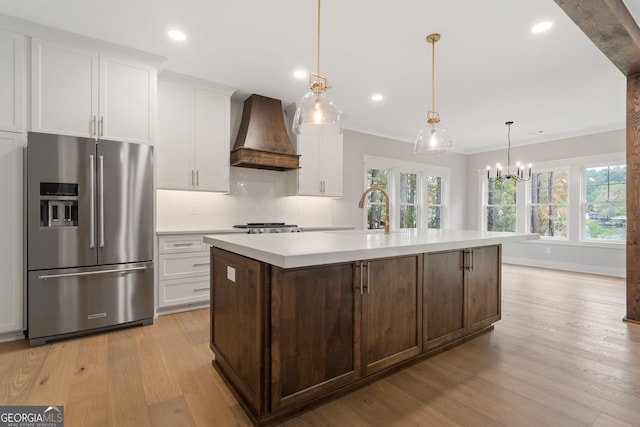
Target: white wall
357 144
262 195
575 256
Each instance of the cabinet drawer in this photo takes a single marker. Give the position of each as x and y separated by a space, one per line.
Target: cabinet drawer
183 291
181 243
178 266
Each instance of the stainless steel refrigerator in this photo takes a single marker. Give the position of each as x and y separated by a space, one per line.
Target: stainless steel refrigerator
89 236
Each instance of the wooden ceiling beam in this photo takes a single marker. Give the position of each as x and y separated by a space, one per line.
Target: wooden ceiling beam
609 24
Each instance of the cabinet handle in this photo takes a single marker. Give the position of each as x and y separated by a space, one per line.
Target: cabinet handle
467 263
200 289
361 277
93 130
200 264
193 180
101 125
368 278
183 244
101 195
92 202
197 177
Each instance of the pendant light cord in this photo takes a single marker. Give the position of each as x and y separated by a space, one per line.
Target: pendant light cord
319 37
433 74
509 148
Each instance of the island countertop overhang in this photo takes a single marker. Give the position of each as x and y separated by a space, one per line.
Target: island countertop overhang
292 250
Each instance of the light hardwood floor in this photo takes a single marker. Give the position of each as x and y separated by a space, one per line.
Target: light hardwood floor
560 356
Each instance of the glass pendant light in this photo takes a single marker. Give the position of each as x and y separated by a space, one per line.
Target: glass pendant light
433 137
317 113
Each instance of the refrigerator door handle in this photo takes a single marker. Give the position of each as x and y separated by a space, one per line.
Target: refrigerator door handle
91 273
92 204
101 192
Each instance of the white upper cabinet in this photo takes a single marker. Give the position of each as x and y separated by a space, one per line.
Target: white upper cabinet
193 143
127 100
174 145
11 81
80 92
320 172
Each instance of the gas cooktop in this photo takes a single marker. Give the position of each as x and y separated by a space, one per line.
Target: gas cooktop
269 227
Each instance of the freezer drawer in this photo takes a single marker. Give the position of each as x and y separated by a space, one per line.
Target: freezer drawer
70 301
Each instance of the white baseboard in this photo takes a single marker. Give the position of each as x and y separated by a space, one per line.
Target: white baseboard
180 308
555 265
12 336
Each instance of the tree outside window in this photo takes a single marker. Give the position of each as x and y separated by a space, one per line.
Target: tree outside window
375 199
549 201
434 202
501 205
408 200
605 208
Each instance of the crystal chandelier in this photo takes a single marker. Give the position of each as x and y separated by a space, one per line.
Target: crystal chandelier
499 174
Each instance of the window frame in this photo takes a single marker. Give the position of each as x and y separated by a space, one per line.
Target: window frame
395 167
576 166
485 202
584 202
567 206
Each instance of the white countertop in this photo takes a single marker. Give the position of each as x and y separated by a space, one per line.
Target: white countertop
291 250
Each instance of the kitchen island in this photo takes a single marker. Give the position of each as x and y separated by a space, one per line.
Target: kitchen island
299 318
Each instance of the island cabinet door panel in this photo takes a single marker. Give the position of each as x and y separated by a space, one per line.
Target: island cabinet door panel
484 286
391 311
312 332
237 323
444 298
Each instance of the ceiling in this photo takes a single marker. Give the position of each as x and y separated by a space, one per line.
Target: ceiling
489 67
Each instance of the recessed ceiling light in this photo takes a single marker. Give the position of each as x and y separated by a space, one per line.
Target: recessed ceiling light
541 27
300 74
377 97
177 35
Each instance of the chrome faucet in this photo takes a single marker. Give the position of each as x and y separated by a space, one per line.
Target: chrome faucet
384 222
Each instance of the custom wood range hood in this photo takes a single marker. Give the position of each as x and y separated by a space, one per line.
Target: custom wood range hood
263 141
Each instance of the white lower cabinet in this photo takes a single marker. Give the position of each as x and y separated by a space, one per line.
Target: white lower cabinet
183 271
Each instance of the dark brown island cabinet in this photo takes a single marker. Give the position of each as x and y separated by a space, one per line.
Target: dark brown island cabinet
287 339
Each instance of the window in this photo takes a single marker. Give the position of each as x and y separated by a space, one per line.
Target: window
605 209
434 202
375 199
501 205
417 194
408 200
549 203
